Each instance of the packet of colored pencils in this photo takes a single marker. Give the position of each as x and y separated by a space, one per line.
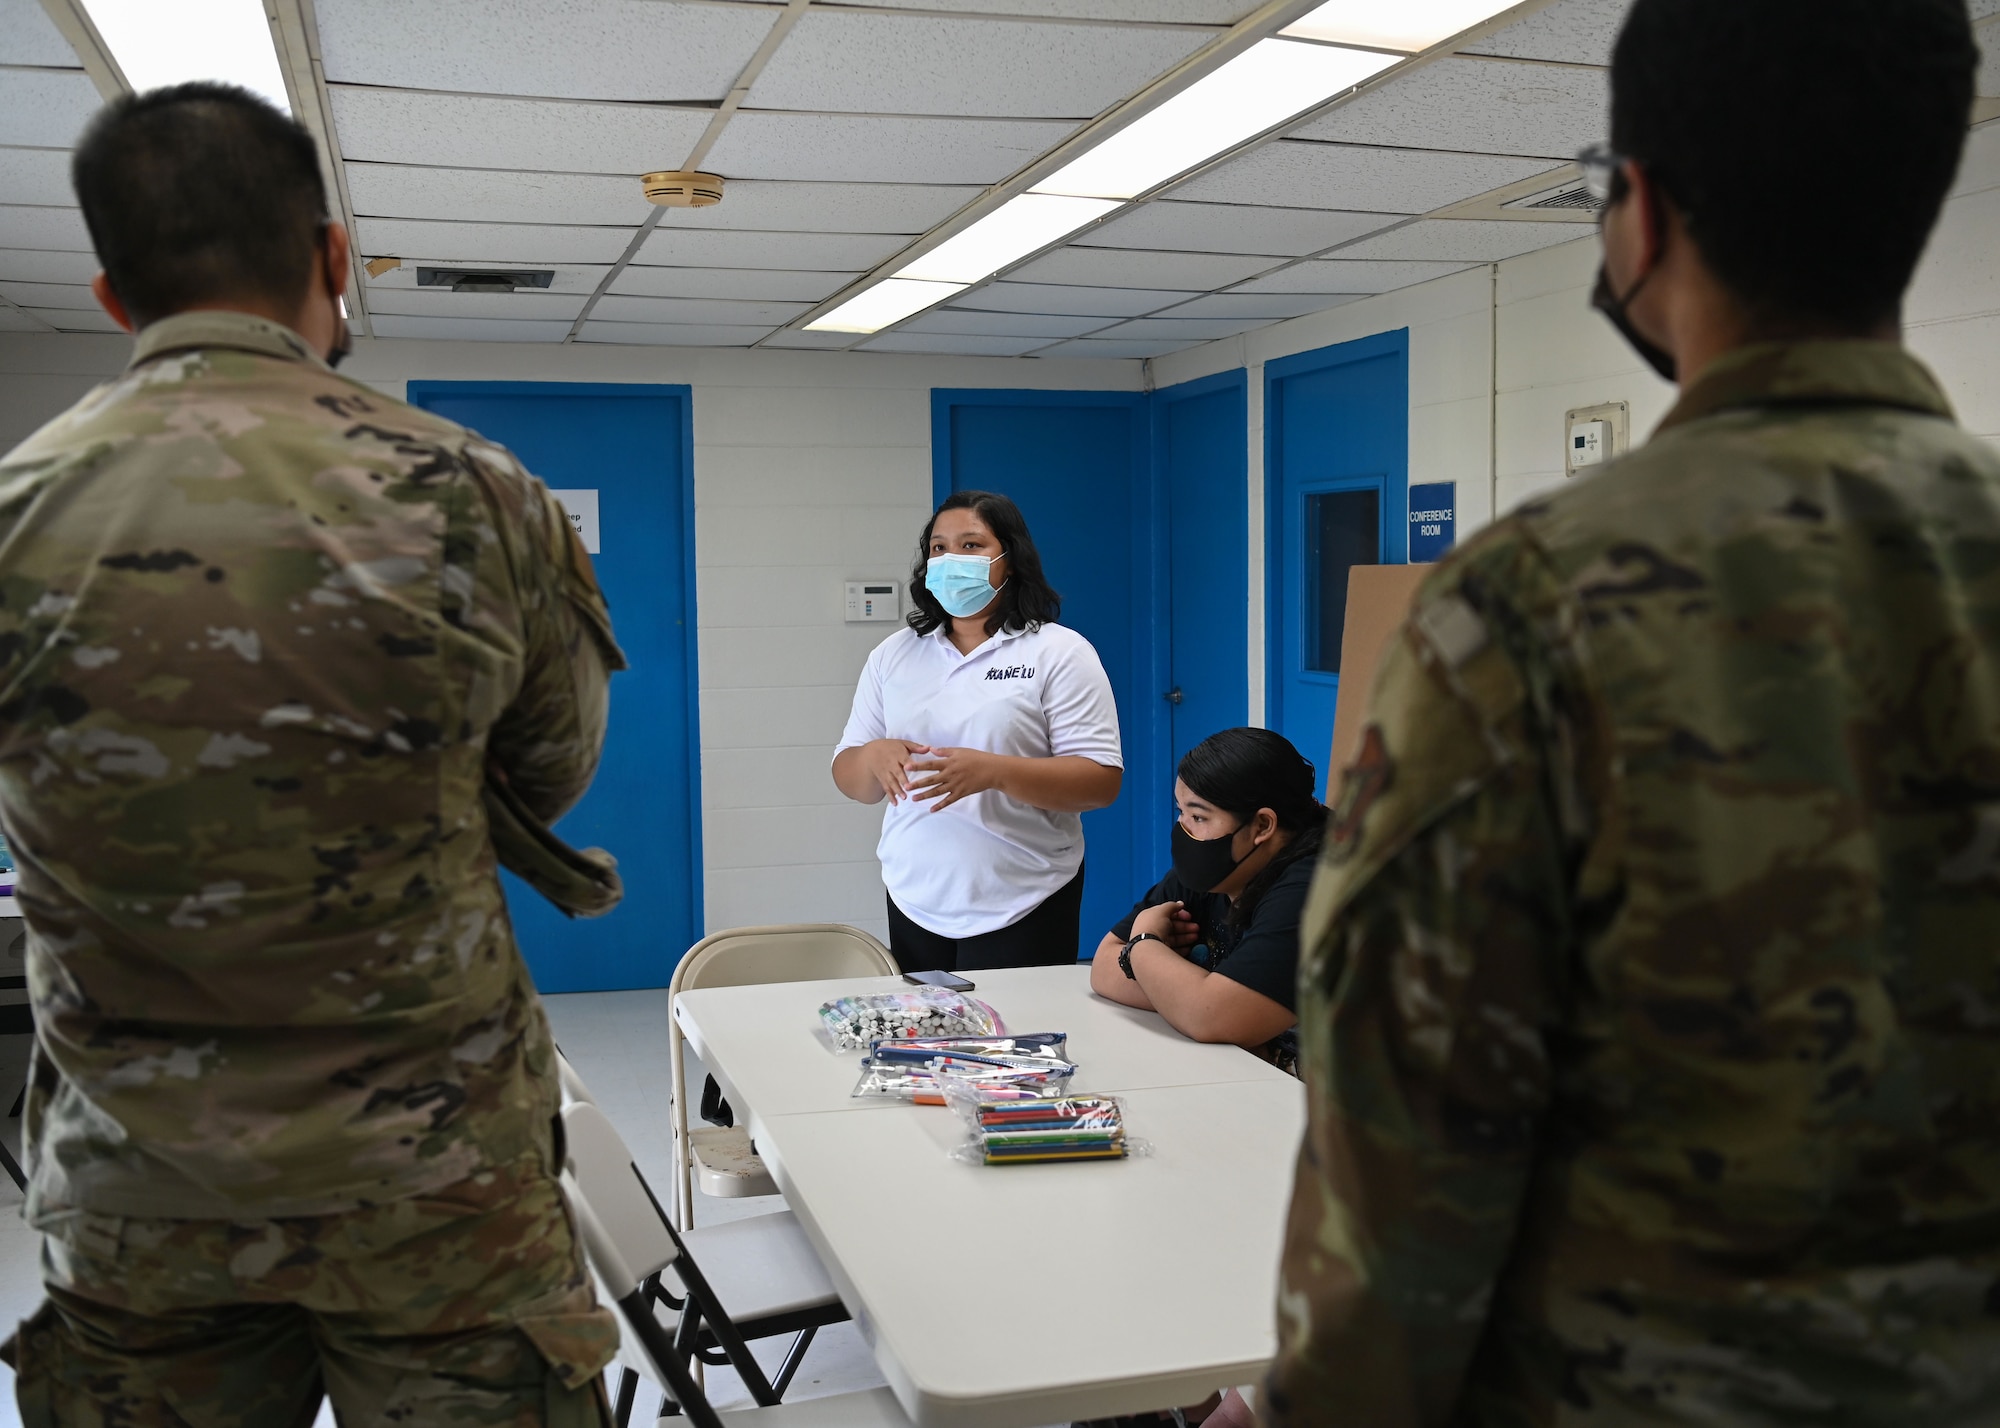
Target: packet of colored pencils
1019 1132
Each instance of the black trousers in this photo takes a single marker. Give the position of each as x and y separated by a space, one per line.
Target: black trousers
1046 937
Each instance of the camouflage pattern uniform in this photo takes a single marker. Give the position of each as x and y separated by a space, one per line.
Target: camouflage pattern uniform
262 634
1650 1000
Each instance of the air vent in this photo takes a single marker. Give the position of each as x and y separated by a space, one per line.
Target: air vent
485 280
1571 197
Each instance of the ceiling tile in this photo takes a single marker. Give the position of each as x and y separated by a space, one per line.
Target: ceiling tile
719 311
914 64
1105 348
756 284
1004 324
1987 81
1183 329
690 248
472 131
1269 306
1231 228
28 36
842 148
670 334
827 207
1465 240
491 196
1985 9
954 346
60 228
442 302
49 295
77 319
1166 12
579 49
1572 31
1123 267
36 176
12 319
578 278
44 108
462 243
18 265
470 329
813 340
1346 276
1294 174
1481 106
1075 301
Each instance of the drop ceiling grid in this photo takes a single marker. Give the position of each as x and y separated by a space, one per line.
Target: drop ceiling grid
29 37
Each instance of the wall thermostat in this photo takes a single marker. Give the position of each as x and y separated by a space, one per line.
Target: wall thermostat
1594 435
869 600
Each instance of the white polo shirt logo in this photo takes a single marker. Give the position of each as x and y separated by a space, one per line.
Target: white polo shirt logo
1012 671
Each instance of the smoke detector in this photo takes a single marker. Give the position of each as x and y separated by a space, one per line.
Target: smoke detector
485 280
682 188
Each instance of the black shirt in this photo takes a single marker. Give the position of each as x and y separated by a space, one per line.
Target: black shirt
1264 956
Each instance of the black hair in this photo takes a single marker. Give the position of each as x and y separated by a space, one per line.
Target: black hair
197 193
1026 601
1243 770
1808 144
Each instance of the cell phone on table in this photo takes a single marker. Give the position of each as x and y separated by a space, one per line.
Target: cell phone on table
951 982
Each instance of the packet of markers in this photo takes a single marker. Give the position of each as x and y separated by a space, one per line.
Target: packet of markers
1000 1068
1025 1132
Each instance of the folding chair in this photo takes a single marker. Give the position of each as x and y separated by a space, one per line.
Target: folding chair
762 1278
629 1244
721 1161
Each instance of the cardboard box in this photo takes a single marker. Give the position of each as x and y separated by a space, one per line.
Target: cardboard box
1378 601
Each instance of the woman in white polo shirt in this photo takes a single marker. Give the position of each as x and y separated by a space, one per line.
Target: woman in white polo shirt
990 729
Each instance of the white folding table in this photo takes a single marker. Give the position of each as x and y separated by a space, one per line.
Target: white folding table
1010 1296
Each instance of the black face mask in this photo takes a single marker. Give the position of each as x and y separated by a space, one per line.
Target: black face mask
342 345
1204 863
1619 311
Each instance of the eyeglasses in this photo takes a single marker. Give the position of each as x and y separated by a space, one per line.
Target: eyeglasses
1602 165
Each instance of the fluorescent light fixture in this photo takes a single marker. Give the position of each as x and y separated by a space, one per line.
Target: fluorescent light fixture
1265 85
1405 25
157 43
885 304
1015 229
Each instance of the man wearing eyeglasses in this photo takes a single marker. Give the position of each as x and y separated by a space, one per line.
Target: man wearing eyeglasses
1650 994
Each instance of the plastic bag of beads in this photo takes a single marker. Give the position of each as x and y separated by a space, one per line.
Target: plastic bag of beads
1023 1132
857 1022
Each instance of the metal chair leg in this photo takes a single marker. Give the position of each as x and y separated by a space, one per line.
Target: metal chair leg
628 1389
793 1357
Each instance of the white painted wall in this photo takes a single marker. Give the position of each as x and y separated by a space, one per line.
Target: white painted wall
811 469
814 468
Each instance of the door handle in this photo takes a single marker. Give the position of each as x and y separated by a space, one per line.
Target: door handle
1173 696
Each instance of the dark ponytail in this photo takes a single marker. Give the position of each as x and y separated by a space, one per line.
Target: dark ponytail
1243 770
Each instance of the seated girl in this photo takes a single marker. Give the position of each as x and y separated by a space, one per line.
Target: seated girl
1214 947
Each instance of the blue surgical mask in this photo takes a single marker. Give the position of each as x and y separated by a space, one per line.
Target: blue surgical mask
961 583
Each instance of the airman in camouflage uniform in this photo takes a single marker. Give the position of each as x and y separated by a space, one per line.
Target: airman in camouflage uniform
265 635
1649 1009
1649 989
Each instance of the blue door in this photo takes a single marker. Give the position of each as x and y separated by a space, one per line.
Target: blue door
1077 465
632 447
1336 434
1200 447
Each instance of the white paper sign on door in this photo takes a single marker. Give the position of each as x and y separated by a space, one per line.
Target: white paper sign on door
582 508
